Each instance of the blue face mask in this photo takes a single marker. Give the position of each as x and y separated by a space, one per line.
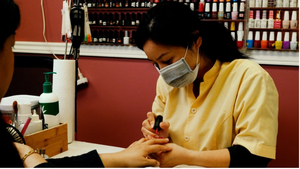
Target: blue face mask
179 74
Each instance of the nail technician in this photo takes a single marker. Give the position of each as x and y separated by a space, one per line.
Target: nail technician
19 155
220 109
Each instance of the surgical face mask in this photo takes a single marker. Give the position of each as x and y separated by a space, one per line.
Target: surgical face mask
179 74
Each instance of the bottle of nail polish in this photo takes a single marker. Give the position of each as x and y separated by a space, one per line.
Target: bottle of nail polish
271 19
234 13
251 20
240 36
214 13
257 40
133 19
221 11
278 42
271 42
100 36
286 20
228 11
201 9
95 36
286 42
257 19
263 23
294 21
293 44
277 22
126 38
250 40
207 14
264 41
241 14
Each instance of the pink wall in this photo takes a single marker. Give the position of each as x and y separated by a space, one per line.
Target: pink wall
120 91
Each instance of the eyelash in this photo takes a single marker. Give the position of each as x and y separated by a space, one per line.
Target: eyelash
168 61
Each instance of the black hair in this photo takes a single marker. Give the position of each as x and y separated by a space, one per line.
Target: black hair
9 18
175 24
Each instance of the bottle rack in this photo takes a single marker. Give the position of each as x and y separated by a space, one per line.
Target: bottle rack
275 16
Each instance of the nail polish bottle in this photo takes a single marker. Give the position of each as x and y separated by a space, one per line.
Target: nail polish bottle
264 41
265 3
132 3
258 3
104 22
95 36
126 38
100 21
111 21
201 9
142 4
111 37
286 20
234 13
89 4
122 22
293 3
104 38
286 3
116 36
271 19
133 19
278 42
121 35
250 40
257 40
228 11
196 5
132 38
214 13
271 3
91 18
137 4
100 36
128 19
221 11
232 30
251 3
117 19
277 21
286 42
293 44
278 3
207 14
263 23
251 20
294 22
240 36
226 25
257 21
241 14
271 42
138 19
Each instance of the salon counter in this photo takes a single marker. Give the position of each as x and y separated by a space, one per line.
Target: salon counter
79 147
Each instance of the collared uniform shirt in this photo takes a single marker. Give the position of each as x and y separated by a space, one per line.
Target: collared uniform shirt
237 105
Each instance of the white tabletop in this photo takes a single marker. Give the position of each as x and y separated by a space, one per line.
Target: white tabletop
79 147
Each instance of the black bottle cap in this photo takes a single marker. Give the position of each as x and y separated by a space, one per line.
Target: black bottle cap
158 120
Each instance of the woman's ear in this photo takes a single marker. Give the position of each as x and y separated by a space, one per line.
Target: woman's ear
198 42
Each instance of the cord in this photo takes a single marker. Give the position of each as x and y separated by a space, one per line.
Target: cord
44 27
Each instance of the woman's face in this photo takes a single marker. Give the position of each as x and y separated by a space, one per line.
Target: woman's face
163 55
6 65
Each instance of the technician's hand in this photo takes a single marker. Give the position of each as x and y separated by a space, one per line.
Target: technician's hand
148 124
172 158
136 155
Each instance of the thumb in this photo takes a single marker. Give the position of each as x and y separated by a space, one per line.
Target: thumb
153 163
164 125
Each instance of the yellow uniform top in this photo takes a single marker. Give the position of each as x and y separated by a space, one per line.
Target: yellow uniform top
237 105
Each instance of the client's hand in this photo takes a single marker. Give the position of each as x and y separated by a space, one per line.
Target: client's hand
33 159
136 155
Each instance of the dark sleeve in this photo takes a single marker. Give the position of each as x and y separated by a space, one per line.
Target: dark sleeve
241 157
90 159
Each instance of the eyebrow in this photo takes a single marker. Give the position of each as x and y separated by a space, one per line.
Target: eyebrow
159 57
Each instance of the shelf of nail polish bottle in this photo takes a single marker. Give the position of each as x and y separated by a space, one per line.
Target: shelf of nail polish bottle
273 49
275 8
224 20
117 9
274 29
